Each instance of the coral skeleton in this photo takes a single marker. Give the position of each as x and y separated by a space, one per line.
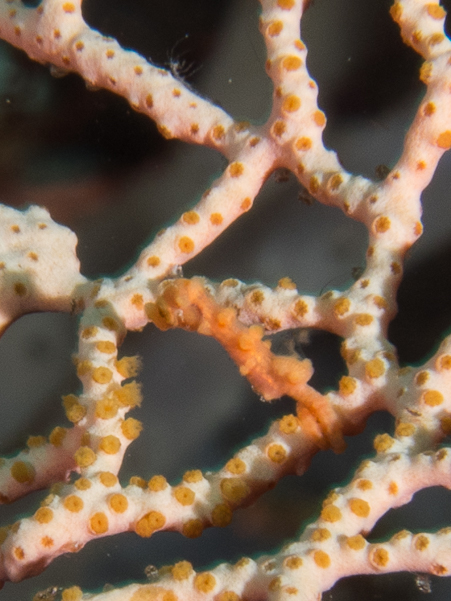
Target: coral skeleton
80 463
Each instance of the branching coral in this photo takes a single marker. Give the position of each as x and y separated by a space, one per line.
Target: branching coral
40 271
